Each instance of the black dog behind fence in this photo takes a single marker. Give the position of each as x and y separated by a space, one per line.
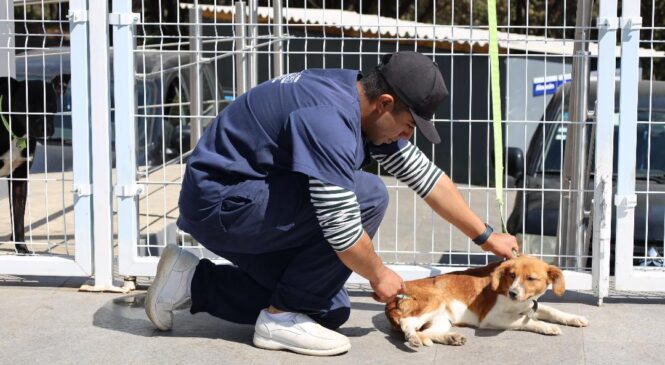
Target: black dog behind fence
27 109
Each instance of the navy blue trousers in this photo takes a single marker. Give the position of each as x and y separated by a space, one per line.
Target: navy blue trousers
268 230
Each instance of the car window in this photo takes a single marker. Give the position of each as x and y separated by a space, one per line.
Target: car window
650 149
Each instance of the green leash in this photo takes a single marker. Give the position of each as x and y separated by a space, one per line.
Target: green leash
21 142
496 108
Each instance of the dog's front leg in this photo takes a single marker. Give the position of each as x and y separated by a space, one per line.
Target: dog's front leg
524 323
19 192
553 315
410 327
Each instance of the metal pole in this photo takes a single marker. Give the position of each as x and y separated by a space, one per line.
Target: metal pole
81 133
574 166
625 199
602 184
278 33
7 52
195 46
101 151
253 32
125 132
239 48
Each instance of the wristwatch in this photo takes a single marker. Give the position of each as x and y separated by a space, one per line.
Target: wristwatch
482 238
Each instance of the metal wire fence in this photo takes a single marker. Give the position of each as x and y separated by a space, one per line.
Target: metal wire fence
35 182
192 58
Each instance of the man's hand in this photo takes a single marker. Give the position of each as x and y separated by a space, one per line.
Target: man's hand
386 285
362 259
501 244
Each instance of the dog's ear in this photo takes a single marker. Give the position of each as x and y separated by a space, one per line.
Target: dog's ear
555 277
499 272
60 83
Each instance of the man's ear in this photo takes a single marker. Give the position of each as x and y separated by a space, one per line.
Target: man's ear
555 277
385 103
498 273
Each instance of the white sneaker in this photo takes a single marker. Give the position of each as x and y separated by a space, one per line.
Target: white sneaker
299 334
172 285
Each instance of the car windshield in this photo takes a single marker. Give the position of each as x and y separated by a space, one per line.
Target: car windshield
650 151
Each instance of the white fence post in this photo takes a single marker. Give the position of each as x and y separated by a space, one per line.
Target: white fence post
278 33
608 24
101 151
240 43
126 190
7 53
195 90
81 132
625 199
253 34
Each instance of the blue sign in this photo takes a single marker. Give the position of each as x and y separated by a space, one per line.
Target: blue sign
548 85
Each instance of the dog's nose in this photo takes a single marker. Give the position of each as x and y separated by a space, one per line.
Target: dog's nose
513 294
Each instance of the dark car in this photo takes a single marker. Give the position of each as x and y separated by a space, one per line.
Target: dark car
163 108
536 215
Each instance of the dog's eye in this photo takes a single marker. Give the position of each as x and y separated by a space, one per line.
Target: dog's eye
512 275
531 278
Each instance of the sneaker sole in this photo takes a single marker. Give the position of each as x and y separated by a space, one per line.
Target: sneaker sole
164 267
268 344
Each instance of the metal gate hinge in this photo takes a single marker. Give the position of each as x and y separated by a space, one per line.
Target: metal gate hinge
127 191
625 201
82 189
77 16
608 23
124 18
631 22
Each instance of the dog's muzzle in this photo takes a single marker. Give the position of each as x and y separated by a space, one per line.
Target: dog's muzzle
41 128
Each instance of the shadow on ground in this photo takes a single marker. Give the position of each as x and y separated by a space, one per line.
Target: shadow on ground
127 314
43 281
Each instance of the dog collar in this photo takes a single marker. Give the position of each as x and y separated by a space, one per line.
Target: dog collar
402 296
21 142
534 309
531 313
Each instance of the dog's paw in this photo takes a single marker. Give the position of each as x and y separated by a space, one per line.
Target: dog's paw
425 339
550 329
455 339
578 321
414 340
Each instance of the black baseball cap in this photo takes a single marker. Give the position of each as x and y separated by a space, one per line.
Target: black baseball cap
418 83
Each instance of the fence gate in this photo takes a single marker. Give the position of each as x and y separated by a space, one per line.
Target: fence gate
640 197
45 50
166 91
173 76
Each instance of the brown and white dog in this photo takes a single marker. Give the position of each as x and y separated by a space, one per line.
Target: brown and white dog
501 295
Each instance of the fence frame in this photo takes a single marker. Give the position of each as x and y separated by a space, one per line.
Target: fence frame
81 138
89 21
628 277
600 270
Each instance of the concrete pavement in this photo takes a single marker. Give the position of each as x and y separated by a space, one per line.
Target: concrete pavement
46 320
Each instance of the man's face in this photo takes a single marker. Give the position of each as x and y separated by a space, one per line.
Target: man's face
389 126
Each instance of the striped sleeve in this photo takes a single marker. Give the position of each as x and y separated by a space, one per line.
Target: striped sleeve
338 213
410 166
